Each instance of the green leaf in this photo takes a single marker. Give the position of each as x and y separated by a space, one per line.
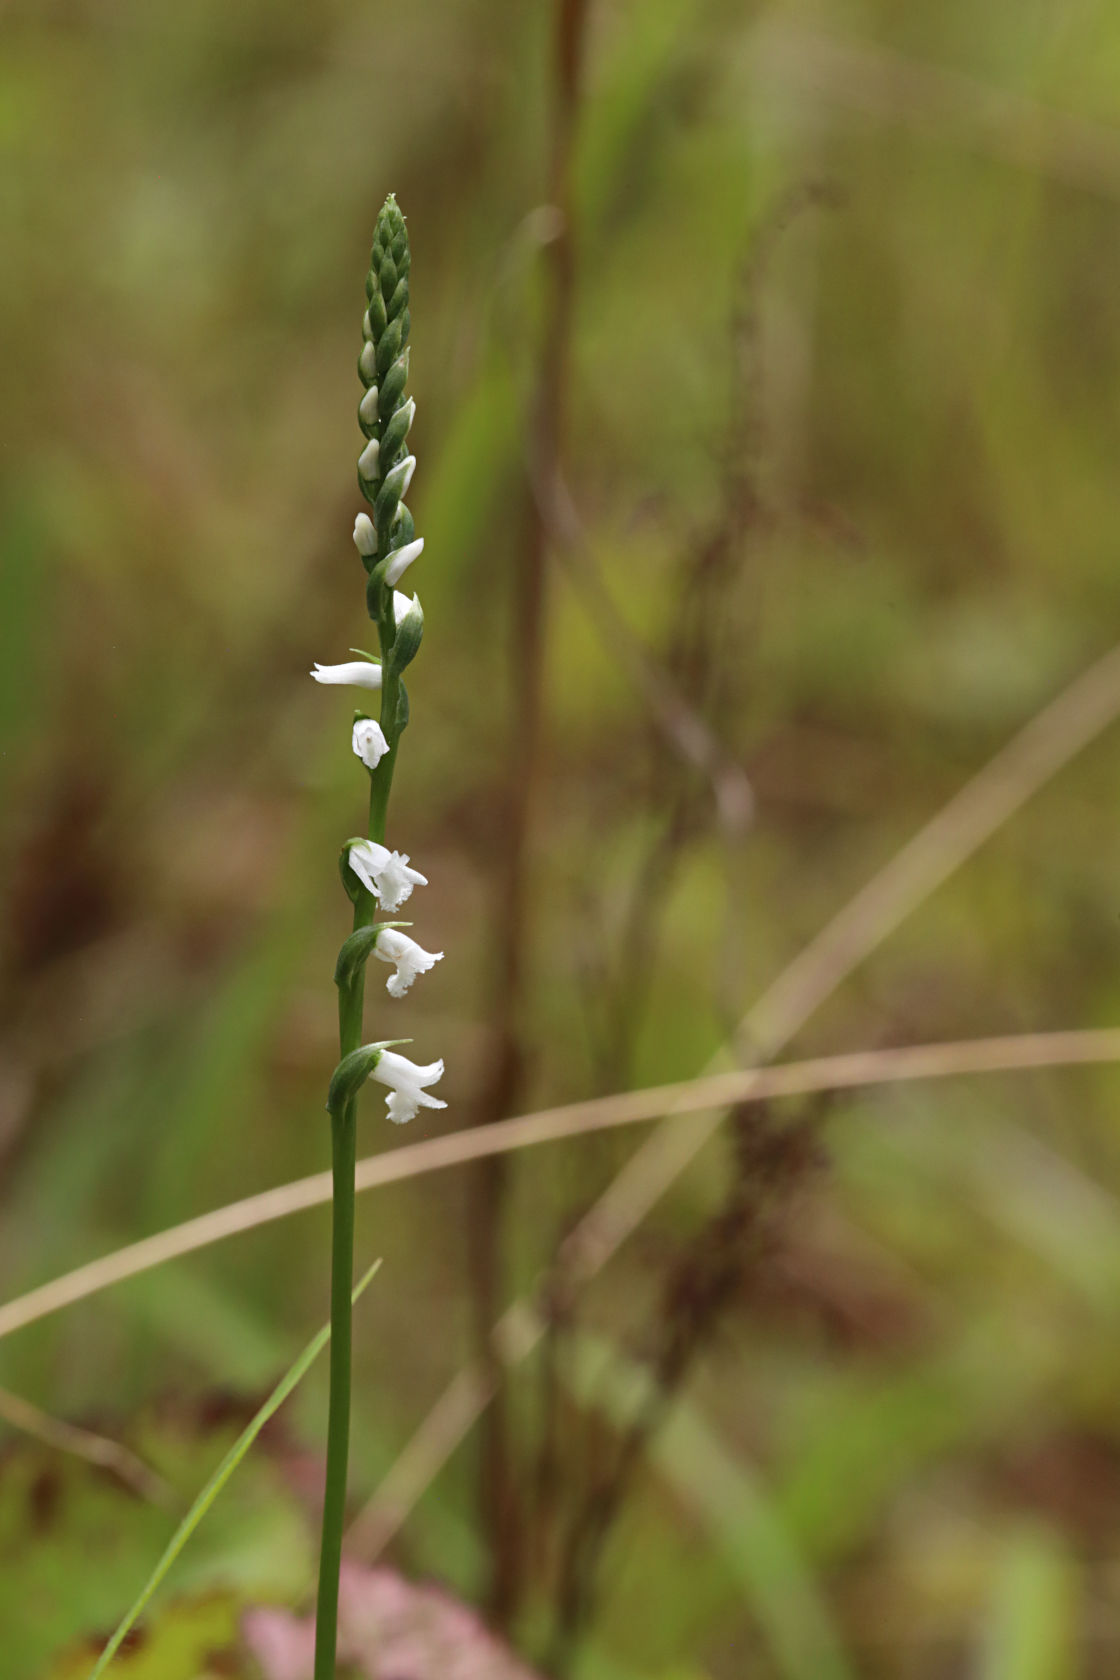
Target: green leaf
218 1481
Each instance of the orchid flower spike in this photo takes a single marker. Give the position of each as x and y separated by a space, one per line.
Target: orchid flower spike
406 1082
384 873
358 673
369 742
411 959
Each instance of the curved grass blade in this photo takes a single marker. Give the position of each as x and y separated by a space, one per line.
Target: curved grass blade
218 1481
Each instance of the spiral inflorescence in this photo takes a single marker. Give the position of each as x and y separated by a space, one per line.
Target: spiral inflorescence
384 413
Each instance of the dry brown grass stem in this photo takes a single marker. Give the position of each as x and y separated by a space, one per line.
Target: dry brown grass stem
679 722
690 1097
1041 748
83 1443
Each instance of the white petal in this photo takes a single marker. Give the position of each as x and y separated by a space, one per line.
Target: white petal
384 873
409 469
367 408
364 859
367 361
365 535
411 959
406 1082
369 742
401 559
401 1106
367 460
356 673
402 605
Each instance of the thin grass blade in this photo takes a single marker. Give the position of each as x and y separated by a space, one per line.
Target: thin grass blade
218 1481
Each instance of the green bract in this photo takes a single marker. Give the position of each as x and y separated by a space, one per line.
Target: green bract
356 950
353 1071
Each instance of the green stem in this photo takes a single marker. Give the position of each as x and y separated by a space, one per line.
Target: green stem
343 1155
343 1152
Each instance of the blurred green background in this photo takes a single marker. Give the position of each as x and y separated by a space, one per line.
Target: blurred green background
858 261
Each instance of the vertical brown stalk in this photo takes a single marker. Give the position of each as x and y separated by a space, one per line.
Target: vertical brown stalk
499 1504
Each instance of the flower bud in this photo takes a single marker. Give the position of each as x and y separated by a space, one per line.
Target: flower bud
369 742
400 559
367 463
365 537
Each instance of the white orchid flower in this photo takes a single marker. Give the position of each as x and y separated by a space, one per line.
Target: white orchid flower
357 673
406 1082
402 605
384 873
369 742
411 959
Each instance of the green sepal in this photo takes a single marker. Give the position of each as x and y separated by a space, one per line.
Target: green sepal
387 276
404 529
406 643
362 654
388 497
402 710
351 885
378 319
391 387
393 435
357 950
389 345
399 299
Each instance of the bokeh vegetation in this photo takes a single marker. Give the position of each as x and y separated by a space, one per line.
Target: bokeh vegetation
840 441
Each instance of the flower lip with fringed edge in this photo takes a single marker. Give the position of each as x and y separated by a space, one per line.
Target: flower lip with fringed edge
411 959
384 873
406 1083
